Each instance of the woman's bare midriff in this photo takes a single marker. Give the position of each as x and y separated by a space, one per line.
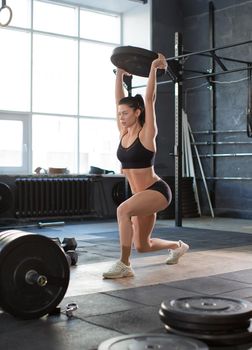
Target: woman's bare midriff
140 179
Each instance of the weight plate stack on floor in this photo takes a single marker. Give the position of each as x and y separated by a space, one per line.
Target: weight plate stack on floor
34 274
152 341
214 320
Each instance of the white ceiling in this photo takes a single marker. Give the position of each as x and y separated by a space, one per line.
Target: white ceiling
118 6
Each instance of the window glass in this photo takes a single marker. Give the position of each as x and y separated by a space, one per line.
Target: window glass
98 145
21 13
100 26
15 70
54 142
97 80
40 85
55 80
55 18
11 143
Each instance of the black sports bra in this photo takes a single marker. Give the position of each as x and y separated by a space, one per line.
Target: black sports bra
136 156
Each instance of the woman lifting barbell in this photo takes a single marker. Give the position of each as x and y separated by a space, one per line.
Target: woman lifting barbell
137 215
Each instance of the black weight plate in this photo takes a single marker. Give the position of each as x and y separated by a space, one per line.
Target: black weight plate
21 252
6 198
203 327
134 60
230 339
152 341
204 309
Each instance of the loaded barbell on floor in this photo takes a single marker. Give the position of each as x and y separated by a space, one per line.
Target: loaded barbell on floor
34 274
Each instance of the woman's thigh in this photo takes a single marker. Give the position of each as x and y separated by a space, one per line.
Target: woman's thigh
143 203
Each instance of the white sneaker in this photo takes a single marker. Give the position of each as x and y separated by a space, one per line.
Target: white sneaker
119 270
175 254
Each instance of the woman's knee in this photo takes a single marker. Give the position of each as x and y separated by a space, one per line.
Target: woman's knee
142 247
123 211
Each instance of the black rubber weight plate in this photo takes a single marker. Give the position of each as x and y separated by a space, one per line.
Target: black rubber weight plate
204 309
152 341
22 252
134 60
228 339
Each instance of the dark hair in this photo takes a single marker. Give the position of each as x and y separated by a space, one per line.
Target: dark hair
135 102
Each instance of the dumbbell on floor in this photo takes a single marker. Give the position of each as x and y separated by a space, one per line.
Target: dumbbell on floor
68 245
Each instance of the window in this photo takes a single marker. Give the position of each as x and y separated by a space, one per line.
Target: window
100 26
57 88
54 142
55 80
15 62
55 18
13 143
98 142
96 80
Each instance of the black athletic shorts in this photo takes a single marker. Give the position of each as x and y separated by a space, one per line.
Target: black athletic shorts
162 187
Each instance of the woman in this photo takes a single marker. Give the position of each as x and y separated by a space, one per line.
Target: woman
137 215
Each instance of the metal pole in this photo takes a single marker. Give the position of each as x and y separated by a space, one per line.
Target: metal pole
202 171
235 178
128 82
210 155
221 57
212 96
209 50
208 143
204 75
218 73
219 131
178 135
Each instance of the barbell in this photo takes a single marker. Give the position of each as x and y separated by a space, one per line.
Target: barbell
137 61
34 274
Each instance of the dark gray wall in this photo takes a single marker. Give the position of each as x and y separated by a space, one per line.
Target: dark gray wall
166 20
233 24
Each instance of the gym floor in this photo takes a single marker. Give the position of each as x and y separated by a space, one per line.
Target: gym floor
218 264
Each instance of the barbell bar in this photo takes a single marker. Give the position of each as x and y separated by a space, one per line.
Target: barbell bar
231 131
190 54
231 178
210 155
209 143
137 61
